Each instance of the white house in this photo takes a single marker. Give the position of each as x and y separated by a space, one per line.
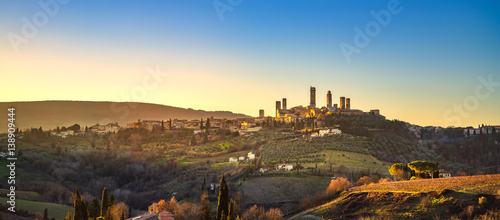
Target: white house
233 159
324 132
444 174
241 158
251 155
263 170
284 166
336 131
104 129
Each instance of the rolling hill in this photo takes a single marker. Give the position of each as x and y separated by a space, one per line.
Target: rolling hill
459 197
50 114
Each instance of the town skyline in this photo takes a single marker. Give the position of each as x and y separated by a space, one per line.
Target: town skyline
438 70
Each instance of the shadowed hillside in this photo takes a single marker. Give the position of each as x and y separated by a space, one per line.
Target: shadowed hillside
443 204
50 114
442 198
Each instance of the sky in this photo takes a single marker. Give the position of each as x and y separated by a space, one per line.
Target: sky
424 62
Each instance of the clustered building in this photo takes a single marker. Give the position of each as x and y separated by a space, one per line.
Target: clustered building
289 114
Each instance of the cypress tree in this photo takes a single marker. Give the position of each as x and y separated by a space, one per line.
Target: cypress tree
80 207
207 125
230 214
94 208
222 200
68 215
45 214
104 203
76 198
112 200
205 207
83 208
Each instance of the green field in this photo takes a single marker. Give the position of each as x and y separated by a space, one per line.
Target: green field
55 210
26 195
221 166
353 161
266 190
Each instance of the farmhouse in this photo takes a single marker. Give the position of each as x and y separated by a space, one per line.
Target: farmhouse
444 174
233 159
263 170
104 129
251 155
284 166
334 131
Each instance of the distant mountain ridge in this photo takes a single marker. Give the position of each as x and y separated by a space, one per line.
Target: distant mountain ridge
50 114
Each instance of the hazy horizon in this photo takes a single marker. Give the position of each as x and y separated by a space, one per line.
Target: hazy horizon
420 63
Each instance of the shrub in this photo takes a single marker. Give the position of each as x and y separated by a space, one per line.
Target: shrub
482 201
338 185
257 212
365 180
186 211
314 200
118 209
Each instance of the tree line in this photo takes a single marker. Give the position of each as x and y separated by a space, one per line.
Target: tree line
417 169
108 209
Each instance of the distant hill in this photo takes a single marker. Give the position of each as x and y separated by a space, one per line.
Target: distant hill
50 114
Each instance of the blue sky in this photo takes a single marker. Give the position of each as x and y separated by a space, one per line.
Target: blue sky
425 61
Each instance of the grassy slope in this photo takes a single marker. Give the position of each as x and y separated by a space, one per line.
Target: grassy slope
264 190
401 205
488 184
403 199
55 210
26 195
353 161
